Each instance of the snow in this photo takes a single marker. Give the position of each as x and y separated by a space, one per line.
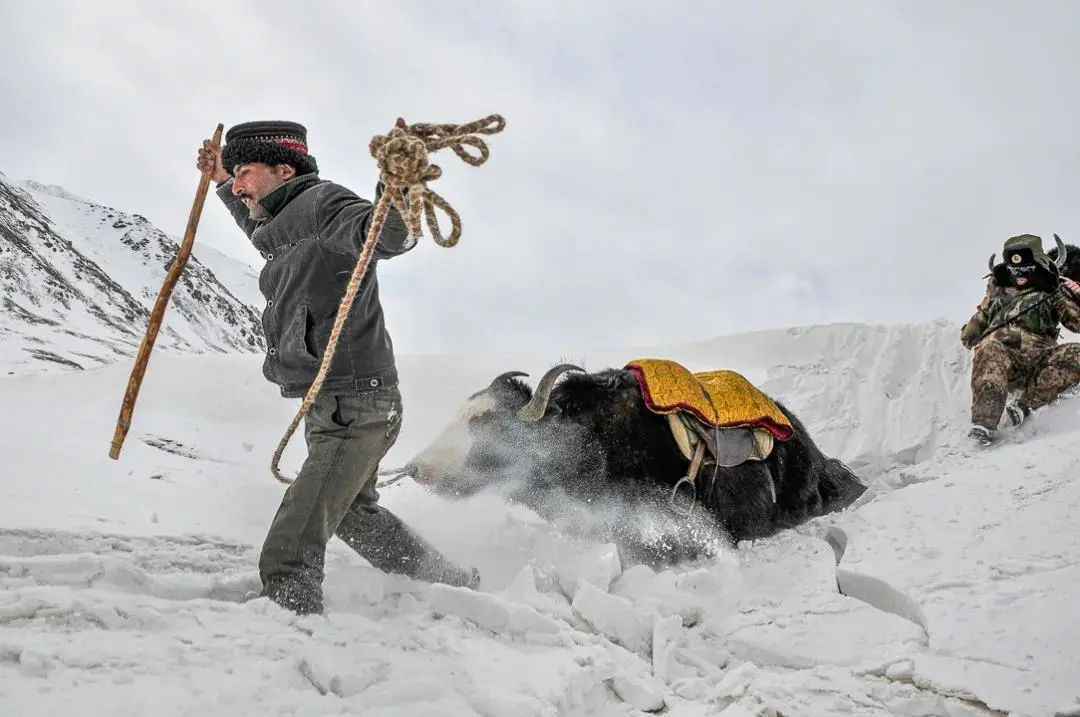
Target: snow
614 617
241 279
951 588
78 280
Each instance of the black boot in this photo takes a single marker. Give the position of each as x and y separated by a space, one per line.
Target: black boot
982 435
388 544
296 593
1017 412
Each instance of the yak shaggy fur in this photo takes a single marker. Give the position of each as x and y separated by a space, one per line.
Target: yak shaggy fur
1072 261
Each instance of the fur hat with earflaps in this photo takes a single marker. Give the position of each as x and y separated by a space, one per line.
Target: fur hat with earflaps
1023 255
269 143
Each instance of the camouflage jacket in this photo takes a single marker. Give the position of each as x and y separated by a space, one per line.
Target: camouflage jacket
1034 312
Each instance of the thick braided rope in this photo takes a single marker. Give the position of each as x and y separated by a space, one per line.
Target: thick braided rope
404 169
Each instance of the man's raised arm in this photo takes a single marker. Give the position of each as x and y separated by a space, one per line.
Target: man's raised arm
343 220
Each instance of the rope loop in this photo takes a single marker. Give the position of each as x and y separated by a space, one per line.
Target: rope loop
405 170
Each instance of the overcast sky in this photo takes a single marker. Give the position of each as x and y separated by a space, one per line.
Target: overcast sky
670 171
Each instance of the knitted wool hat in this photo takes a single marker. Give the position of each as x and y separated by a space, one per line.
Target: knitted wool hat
270 143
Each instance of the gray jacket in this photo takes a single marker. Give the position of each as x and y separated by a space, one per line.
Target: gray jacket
311 243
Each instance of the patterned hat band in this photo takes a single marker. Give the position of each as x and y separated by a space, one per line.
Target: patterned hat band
292 143
268 149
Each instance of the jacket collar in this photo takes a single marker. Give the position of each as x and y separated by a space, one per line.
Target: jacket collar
276 200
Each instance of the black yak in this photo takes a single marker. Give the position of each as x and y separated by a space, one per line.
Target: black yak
587 452
1070 267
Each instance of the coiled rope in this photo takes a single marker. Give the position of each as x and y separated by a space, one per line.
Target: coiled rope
404 169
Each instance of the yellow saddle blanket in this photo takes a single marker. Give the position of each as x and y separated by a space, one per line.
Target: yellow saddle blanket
720 399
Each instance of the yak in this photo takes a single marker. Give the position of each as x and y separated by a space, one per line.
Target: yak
1069 267
585 452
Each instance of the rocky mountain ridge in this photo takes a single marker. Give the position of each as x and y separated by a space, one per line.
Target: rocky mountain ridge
78 280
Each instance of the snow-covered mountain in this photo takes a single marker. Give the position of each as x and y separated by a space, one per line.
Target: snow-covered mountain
78 280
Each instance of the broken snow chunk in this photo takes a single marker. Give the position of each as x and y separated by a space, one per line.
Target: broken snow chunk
701 582
615 617
523 587
598 565
702 660
641 692
358 680
523 590
902 670
660 593
690 688
314 674
666 633
489 611
737 681
637 579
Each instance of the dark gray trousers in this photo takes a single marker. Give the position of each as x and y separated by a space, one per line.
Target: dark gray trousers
347 435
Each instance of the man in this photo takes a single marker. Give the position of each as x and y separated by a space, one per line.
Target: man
310 232
1014 335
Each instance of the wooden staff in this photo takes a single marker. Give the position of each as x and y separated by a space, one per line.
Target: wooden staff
123 423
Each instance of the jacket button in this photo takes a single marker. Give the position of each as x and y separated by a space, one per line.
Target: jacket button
270 302
272 351
269 257
374 383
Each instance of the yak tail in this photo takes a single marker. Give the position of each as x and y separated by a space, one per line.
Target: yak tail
838 486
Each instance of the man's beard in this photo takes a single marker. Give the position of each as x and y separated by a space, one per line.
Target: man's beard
256 210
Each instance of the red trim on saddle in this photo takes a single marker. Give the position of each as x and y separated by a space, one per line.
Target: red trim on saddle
778 431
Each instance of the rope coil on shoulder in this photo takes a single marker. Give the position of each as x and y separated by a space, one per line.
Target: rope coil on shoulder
404 169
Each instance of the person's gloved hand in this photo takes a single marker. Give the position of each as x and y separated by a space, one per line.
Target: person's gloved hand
970 334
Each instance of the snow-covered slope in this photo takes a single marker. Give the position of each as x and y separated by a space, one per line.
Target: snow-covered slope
122 584
78 280
881 396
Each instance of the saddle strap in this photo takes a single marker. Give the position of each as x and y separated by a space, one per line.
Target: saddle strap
695 463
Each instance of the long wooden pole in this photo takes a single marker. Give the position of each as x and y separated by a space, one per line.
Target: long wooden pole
127 408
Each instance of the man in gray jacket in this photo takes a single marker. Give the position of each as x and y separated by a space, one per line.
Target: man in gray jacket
310 232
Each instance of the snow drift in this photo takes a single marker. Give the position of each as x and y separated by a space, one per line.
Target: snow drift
123 585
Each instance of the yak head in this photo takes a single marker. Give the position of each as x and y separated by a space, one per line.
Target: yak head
505 433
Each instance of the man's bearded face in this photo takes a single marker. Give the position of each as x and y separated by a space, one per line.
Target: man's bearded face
253 181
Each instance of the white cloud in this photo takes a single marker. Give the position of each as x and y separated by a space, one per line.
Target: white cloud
667 172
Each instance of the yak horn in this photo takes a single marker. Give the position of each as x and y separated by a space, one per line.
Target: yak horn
1063 252
505 377
535 409
991 262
